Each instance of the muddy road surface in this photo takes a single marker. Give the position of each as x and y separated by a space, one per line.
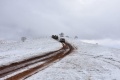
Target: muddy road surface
24 69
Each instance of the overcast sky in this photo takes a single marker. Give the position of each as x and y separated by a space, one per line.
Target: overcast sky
88 19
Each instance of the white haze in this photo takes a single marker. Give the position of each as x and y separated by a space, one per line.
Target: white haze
88 19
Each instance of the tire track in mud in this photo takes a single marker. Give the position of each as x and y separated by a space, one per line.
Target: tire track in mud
6 70
47 60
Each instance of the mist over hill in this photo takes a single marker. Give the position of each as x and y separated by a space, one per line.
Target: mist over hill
87 19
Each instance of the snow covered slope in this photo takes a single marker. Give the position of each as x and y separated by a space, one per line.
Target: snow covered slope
16 51
87 62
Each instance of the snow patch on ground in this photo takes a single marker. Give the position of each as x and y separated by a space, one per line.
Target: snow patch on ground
16 51
87 62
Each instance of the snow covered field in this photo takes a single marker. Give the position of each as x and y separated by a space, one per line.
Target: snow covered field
87 62
11 51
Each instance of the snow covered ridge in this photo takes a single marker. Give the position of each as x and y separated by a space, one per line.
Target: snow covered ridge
87 62
16 51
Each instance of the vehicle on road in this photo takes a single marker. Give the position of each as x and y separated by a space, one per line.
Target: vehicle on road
55 37
62 40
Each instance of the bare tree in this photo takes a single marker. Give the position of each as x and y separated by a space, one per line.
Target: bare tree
76 37
61 34
67 36
23 39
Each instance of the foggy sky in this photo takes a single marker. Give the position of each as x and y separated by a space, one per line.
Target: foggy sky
88 19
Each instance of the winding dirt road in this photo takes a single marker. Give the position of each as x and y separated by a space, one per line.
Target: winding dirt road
18 71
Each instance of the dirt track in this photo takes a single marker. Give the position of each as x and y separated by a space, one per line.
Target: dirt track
46 59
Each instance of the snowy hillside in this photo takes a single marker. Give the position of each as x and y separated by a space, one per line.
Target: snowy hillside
16 51
87 62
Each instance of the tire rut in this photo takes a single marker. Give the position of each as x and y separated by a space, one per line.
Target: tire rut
47 58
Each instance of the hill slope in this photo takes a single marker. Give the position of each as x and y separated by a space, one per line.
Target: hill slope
87 62
11 52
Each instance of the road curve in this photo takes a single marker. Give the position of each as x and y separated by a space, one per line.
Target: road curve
46 59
